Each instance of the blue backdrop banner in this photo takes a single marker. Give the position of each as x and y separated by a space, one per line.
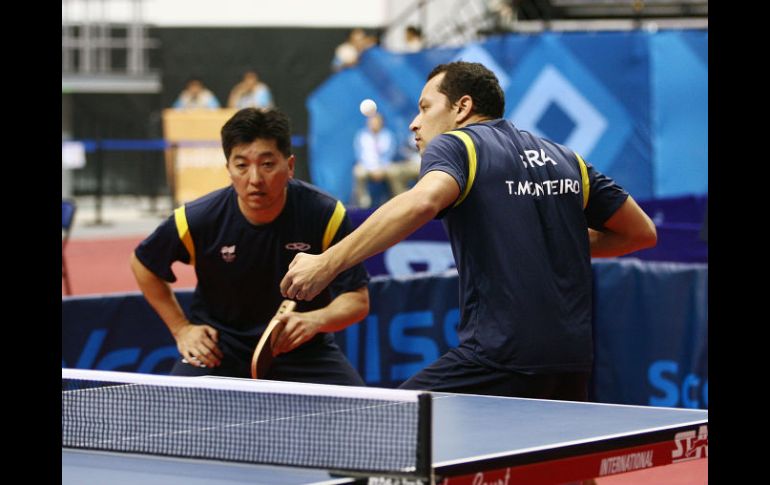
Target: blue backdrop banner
634 104
651 333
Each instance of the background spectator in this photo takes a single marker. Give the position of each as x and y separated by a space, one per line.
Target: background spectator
413 36
250 92
196 96
347 53
378 158
375 148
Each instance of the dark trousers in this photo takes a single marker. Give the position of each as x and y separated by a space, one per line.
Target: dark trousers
453 373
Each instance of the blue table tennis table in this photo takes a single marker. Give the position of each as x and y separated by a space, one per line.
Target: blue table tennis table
506 439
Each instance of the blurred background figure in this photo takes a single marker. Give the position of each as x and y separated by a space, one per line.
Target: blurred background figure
379 158
347 53
504 14
403 172
375 148
196 96
250 92
413 37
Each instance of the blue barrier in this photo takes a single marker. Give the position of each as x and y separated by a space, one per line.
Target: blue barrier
651 333
651 337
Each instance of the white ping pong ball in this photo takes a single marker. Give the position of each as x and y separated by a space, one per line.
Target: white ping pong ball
368 108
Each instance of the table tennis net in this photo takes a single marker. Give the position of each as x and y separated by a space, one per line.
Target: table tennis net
305 425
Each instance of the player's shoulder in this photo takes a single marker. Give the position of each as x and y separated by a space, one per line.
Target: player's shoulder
445 143
209 205
308 197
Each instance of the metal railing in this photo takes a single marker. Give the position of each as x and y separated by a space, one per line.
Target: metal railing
97 49
463 21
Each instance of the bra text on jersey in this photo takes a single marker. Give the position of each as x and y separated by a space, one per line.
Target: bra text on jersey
535 158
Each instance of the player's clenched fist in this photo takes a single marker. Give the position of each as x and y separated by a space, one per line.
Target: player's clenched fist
308 275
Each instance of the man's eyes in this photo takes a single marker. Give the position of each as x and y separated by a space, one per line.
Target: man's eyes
262 164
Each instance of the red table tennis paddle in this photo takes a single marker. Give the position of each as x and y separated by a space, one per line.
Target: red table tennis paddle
263 354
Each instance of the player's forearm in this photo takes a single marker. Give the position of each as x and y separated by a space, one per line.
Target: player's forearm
629 229
345 310
389 224
160 296
310 273
609 244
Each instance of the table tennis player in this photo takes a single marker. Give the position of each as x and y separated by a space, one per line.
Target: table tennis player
240 240
524 215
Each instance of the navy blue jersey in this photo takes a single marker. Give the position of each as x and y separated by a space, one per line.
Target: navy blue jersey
520 240
239 265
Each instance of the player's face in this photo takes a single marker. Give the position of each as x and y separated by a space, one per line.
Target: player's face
260 172
435 117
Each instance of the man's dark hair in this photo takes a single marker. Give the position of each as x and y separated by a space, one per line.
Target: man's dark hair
193 79
414 30
475 80
249 124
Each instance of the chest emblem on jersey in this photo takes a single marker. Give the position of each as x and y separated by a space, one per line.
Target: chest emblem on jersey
297 246
228 253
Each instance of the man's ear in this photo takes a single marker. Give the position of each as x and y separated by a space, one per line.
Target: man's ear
464 107
291 160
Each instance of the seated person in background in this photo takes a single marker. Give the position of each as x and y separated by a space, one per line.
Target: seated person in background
347 53
413 38
250 93
240 240
196 96
375 148
400 173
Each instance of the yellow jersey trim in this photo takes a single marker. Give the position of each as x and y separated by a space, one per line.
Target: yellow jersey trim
584 177
180 218
466 139
333 225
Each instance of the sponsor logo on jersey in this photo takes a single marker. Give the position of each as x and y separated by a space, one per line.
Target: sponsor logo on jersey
228 253
297 246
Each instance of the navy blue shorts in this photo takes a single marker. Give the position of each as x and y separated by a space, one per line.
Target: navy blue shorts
318 361
453 373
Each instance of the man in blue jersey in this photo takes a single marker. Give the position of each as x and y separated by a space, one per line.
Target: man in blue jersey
240 240
524 216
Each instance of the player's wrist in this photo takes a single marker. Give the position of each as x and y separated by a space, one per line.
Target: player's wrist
180 328
315 320
334 260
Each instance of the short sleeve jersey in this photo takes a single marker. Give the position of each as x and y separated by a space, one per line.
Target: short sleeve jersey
239 265
519 237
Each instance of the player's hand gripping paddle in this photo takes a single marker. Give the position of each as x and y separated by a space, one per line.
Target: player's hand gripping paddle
263 354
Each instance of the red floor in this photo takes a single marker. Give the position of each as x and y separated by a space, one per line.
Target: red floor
101 266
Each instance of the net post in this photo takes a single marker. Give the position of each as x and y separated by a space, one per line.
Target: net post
424 463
